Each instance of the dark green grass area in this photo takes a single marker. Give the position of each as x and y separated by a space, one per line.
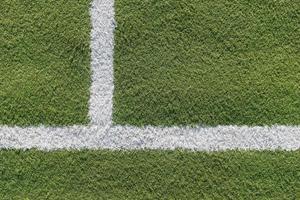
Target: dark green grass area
44 62
209 62
149 175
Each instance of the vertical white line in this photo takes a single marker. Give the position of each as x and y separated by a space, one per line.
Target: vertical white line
102 43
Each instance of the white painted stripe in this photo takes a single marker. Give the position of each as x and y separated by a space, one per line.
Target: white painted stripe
120 137
102 43
101 134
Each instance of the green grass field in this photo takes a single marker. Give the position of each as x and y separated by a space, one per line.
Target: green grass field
149 175
176 62
44 62
217 62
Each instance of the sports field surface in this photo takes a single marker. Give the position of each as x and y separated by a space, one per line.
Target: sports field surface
45 62
132 99
149 175
218 62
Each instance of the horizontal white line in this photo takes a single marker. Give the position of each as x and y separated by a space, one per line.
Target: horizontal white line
100 134
125 137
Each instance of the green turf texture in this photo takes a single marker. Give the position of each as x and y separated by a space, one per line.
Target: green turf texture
149 175
44 62
208 62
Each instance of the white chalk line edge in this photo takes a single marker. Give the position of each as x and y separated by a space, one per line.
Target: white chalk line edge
102 134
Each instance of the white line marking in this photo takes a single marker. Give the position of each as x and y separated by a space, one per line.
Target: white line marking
100 134
102 44
120 137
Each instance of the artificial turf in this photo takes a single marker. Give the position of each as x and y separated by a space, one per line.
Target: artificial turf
149 175
209 62
44 62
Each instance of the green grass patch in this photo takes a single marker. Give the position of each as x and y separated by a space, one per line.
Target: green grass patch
210 62
44 62
149 175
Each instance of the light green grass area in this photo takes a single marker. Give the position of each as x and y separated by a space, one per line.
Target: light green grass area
44 62
149 175
209 62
